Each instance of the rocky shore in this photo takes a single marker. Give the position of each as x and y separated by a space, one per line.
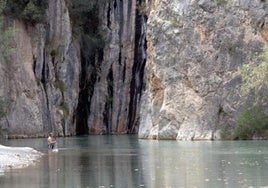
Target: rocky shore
17 157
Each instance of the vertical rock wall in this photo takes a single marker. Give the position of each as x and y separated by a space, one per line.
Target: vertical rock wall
114 78
195 53
49 85
40 81
193 73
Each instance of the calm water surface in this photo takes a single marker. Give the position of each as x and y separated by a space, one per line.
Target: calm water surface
128 162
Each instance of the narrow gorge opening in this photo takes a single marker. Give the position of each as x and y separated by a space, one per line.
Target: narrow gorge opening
86 23
137 70
92 72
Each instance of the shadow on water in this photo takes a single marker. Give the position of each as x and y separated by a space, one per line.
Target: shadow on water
125 161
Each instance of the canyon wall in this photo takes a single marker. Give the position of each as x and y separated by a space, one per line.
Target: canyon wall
113 84
71 76
83 70
193 71
39 81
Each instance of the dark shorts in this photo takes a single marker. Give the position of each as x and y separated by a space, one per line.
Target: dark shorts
51 146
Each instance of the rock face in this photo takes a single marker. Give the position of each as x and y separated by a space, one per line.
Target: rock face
195 53
195 50
47 85
40 81
111 89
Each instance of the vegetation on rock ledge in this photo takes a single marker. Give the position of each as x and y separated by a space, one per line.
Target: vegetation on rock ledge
254 120
32 11
255 78
87 25
6 35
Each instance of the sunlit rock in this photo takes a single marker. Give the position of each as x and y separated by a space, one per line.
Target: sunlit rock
195 53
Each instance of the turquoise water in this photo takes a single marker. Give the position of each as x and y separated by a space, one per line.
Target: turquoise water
125 161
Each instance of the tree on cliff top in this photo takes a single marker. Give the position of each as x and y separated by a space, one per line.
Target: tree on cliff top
31 11
6 35
87 25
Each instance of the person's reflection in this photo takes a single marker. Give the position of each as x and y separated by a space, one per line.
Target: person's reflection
52 168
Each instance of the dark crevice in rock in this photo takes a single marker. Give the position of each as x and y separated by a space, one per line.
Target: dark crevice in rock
88 77
100 56
124 73
109 16
34 64
106 119
91 47
121 22
109 103
115 4
86 89
120 56
43 76
91 69
137 72
63 126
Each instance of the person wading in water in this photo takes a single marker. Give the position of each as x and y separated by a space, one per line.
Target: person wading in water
51 141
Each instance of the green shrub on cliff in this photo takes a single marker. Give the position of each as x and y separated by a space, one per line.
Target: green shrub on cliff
221 2
251 122
60 85
87 25
6 35
35 12
6 40
32 11
254 86
3 107
255 78
142 8
65 108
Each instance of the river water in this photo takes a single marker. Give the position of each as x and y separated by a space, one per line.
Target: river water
128 162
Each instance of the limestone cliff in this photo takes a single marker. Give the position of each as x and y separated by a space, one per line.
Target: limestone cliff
39 82
195 53
78 72
110 91
82 70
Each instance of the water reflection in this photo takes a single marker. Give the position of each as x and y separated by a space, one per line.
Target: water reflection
205 164
125 161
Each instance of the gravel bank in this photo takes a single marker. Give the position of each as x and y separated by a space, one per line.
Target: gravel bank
17 157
